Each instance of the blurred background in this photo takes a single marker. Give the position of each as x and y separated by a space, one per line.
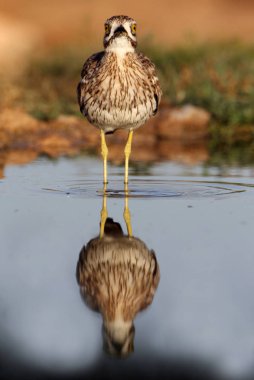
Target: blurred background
203 51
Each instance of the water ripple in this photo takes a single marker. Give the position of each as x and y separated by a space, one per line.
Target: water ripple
150 188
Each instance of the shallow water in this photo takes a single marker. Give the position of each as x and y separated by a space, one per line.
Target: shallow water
199 222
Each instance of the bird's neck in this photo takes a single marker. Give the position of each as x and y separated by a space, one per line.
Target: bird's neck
120 311
120 46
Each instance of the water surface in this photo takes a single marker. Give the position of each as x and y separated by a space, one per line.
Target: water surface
199 222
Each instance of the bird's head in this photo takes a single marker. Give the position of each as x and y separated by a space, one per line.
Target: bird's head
120 33
118 338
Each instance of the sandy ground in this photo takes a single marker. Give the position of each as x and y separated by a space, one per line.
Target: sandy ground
26 24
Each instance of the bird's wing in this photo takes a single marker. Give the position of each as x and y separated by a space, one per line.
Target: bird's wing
153 79
90 301
91 64
87 74
153 284
85 285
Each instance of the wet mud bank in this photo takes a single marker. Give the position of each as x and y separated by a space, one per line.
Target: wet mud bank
173 133
180 134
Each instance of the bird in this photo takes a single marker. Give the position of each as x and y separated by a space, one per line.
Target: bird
118 276
119 87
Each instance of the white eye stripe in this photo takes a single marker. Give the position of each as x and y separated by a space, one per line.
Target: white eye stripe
127 25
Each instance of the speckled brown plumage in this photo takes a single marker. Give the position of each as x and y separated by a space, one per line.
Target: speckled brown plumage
118 276
119 87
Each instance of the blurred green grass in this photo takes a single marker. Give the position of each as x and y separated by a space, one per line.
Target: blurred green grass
217 76
49 84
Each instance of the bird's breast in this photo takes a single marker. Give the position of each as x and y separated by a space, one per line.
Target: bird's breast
120 97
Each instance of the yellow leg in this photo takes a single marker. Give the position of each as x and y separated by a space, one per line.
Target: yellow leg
127 214
104 213
104 153
127 152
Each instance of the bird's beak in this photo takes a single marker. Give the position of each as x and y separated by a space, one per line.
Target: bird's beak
120 30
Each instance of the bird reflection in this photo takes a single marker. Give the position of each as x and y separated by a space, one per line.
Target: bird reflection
118 276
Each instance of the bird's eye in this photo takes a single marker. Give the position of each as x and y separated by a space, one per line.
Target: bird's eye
107 29
133 29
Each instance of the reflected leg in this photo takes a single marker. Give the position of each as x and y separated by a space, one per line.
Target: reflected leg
104 153
127 214
127 152
104 212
